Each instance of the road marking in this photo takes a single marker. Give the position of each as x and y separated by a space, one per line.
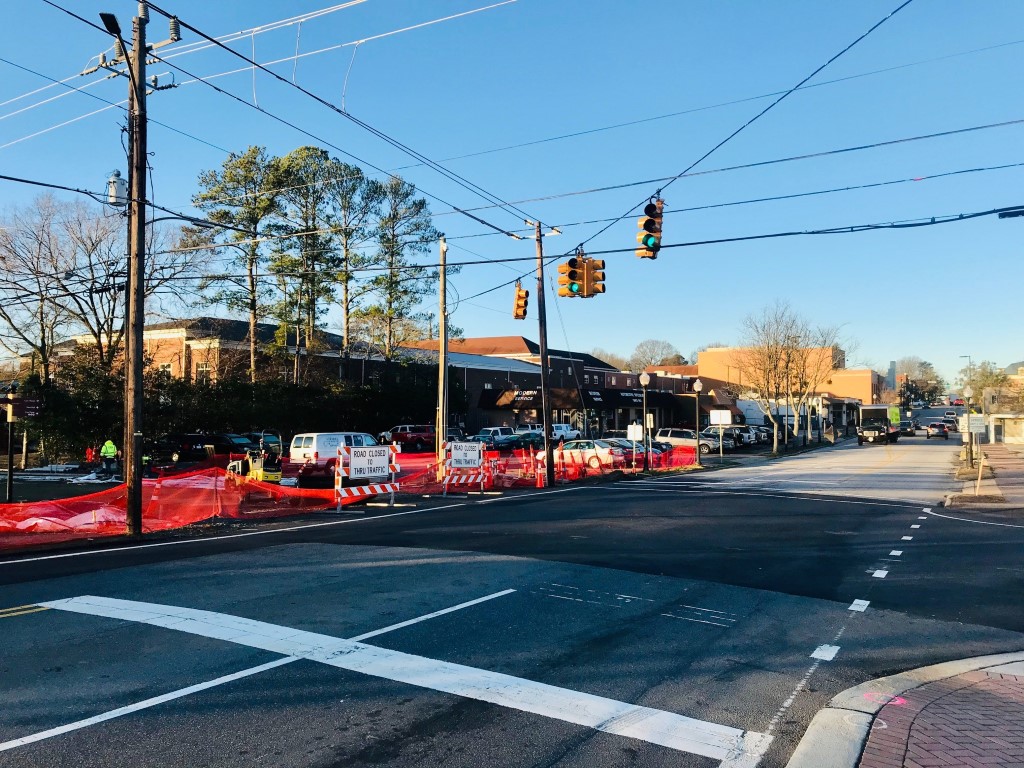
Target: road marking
6 745
628 485
608 715
289 529
154 701
979 522
897 553
825 652
915 526
922 517
880 574
20 610
859 605
698 621
907 538
927 509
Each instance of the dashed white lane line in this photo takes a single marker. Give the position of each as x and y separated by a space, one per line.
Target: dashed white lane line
880 574
907 538
922 517
154 701
859 605
896 553
825 652
915 526
733 746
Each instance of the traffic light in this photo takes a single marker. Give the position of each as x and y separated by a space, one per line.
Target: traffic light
570 277
593 277
522 299
649 235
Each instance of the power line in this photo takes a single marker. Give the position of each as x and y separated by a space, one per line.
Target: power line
450 175
758 116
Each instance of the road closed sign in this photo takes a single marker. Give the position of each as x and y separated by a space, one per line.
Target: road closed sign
466 455
370 462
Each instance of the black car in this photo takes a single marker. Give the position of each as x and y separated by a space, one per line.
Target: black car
182 447
908 428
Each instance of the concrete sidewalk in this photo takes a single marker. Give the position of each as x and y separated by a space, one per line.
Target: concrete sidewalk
967 714
1007 482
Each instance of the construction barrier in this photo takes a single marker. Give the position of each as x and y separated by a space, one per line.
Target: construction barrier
366 462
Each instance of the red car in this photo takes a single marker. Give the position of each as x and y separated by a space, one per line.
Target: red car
958 401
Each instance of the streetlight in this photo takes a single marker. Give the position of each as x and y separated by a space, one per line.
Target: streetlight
645 379
970 368
968 391
11 397
697 387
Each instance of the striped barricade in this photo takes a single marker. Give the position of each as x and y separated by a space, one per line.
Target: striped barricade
344 468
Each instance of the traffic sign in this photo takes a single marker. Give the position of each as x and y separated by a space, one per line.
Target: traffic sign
466 455
370 462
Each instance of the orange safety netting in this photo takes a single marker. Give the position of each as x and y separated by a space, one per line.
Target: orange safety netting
171 501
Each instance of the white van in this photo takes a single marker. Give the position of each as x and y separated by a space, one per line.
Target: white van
316 453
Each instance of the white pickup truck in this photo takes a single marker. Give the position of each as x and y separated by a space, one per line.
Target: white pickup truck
565 432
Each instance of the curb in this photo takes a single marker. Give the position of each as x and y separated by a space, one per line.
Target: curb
837 734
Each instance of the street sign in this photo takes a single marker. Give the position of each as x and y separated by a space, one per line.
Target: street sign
635 432
466 455
720 416
370 462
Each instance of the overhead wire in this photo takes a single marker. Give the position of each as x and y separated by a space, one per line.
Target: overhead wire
437 167
759 115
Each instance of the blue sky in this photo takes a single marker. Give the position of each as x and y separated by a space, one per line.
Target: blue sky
529 71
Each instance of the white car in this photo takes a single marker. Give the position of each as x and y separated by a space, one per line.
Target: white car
523 429
596 454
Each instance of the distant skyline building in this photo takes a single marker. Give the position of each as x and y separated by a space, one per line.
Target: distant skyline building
890 379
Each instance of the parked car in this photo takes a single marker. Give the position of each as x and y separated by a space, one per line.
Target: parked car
746 433
316 453
687 437
525 441
455 434
494 437
958 401
631 450
728 441
596 454
739 438
521 428
183 447
908 428
565 432
937 429
415 438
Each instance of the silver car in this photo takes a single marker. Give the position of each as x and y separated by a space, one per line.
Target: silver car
688 438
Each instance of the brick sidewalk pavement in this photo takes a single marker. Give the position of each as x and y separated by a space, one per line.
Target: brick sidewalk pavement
972 720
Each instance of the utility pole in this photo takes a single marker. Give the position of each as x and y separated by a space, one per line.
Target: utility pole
135 305
442 362
135 310
542 332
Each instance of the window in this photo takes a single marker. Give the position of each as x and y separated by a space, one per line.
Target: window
586 378
203 373
487 385
165 368
613 381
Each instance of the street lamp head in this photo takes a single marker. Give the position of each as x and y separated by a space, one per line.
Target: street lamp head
698 385
645 379
968 392
110 23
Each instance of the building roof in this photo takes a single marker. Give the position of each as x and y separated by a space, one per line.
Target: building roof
1013 368
511 347
230 330
476 362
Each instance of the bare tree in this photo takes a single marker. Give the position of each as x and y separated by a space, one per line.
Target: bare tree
68 262
653 352
814 354
763 360
620 362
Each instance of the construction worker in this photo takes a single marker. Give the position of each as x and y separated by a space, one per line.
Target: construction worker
108 452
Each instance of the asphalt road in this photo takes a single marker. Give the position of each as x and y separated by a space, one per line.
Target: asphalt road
694 620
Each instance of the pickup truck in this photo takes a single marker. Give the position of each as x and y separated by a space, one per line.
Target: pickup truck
564 432
414 438
494 437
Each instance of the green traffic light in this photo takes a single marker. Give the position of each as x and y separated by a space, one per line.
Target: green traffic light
574 287
650 241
